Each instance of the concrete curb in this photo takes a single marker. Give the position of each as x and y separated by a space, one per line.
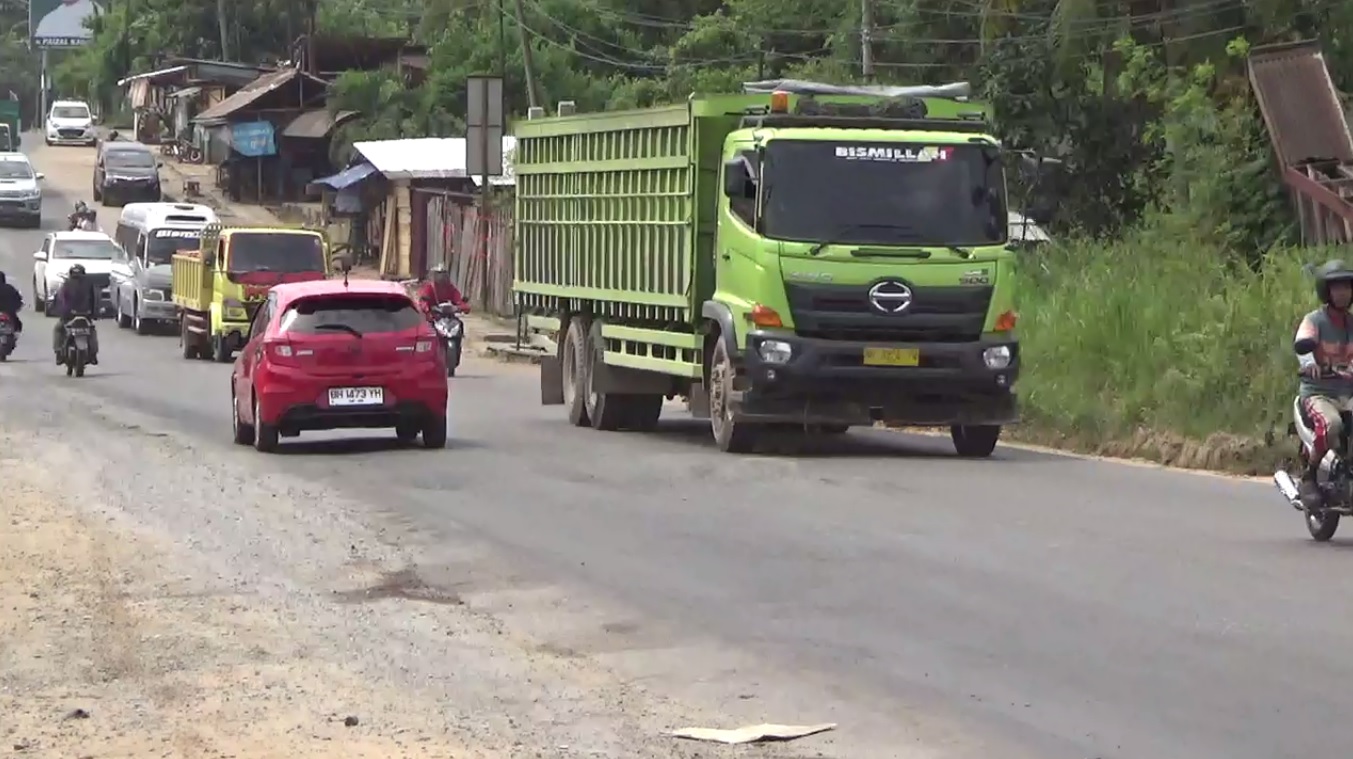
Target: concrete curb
511 354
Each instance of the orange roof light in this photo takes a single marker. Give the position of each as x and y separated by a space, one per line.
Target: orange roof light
764 316
779 102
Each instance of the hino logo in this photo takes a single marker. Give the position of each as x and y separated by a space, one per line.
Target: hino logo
890 297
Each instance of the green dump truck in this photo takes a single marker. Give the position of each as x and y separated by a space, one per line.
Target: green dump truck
784 261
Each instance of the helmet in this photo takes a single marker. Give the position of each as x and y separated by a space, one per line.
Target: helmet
77 271
80 206
1334 270
439 272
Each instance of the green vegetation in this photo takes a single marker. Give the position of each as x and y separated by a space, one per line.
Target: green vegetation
1170 297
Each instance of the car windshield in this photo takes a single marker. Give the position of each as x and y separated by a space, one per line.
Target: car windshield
15 170
277 252
162 244
361 314
99 250
129 159
70 112
883 193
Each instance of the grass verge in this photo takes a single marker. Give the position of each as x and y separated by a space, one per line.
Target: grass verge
1162 348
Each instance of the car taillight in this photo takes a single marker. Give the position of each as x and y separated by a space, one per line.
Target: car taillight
284 352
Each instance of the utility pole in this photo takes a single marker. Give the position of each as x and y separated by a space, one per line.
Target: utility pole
867 39
527 59
225 35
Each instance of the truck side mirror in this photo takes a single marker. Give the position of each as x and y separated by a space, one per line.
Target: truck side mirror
1040 211
736 180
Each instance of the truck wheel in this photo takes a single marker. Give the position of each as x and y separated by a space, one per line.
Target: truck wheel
731 436
606 411
644 412
186 340
573 360
220 350
975 441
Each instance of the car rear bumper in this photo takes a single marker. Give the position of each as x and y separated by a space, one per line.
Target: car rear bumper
312 417
301 403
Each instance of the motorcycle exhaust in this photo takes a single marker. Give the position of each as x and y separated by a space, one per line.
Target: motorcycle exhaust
1288 488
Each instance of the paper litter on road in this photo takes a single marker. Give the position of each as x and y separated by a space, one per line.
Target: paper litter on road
752 733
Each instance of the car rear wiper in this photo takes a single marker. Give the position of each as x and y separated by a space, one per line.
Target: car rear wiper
340 328
820 246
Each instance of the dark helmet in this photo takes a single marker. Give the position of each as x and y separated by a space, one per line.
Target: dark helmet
77 271
1334 270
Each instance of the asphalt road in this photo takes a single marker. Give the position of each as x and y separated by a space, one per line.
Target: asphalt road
1029 605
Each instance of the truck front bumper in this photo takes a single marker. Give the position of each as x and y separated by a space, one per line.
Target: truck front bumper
158 310
827 382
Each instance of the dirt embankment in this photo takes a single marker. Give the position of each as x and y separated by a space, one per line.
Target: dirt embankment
105 652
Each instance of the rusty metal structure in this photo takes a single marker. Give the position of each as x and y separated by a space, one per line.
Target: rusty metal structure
1310 135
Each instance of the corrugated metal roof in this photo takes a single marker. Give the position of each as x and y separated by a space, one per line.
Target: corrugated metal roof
252 92
186 92
347 177
1300 105
429 158
316 124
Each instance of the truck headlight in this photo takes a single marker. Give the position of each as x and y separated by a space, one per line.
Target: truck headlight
997 357
775 351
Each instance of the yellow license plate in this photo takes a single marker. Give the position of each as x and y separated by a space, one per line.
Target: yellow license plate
892 357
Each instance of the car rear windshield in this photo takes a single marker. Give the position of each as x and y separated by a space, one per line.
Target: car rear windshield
364 314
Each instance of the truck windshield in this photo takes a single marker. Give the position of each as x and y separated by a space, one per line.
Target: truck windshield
15 170
277 252
869 193
162 244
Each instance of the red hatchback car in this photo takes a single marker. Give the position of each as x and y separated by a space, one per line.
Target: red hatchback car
330 355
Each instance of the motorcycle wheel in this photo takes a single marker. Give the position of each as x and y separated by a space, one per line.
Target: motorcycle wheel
453 360
1322 524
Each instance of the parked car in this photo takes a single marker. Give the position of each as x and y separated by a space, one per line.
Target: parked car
332 354
20 191
70 122
126 172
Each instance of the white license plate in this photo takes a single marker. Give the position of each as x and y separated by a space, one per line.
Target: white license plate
356 396
78 331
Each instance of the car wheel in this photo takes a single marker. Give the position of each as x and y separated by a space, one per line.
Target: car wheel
244 433
434 433
265 435
141 326
123 321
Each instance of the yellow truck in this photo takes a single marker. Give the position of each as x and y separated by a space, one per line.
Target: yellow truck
218 287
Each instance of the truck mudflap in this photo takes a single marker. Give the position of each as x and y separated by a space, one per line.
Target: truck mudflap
920 384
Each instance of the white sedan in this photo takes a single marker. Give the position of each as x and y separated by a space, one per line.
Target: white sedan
62 250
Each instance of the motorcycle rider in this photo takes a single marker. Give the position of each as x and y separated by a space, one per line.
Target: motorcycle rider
1326 374
77 297
439 289
10 303
81 212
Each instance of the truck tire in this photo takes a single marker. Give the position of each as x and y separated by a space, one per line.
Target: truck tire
606 411
975 441
573 371
186 340
729 435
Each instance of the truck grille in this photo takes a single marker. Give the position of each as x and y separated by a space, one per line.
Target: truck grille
843 312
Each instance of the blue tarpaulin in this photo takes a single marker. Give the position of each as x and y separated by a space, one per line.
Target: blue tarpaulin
347 177
253 139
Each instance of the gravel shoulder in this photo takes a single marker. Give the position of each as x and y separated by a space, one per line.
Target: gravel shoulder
113 647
